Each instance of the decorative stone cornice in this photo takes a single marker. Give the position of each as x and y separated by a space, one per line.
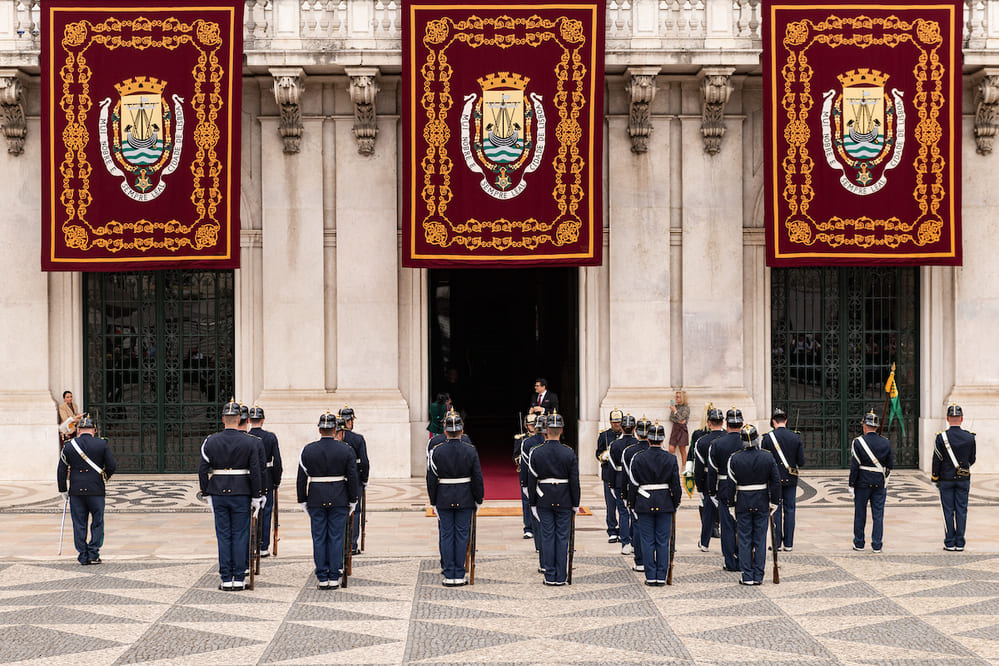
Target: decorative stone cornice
15 129
715 91
289 83
363 90
986 98
641 91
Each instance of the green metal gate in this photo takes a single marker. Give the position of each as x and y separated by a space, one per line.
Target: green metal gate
835 334
158 360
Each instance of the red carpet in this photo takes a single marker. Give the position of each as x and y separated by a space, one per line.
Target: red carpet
500 476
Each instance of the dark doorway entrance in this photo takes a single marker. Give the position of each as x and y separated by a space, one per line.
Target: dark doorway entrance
492 332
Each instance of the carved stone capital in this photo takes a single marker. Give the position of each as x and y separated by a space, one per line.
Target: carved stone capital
363 90
289 83
641 90
15 128
715 91
986 98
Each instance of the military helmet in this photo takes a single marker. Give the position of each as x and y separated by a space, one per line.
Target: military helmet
256 413
530 418
871 419
733 418
954 410
540 425
616 415
327 421
657 433
231 408
347 413
628 421
555 420
715 415
778 415
750 436
642 427
86 423
244 413
341 425
452 423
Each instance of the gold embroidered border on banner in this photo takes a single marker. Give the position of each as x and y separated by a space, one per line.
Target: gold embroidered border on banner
924 35
206 37
441 34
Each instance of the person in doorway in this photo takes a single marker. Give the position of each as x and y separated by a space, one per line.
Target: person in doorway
85 465
544 401
678 436
871 463
953 456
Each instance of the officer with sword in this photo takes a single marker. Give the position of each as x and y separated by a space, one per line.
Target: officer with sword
85 465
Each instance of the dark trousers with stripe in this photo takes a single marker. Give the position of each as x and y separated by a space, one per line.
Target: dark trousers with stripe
555 527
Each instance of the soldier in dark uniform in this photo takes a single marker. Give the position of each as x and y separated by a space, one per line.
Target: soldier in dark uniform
752 486
229 475
328 487
617 447
604 441
454 483
789 454
699 456
528 445
85 464
271 475
872 462
518 452
360 447
642 428
655 494
953 456
554 492
718 455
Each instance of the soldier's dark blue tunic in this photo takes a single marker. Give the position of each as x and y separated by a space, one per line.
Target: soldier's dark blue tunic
870 486
356 442
709 510
793 451
271 478
752 484
604 441
627 455
954 488
229 472
328 482
86 491
617 448
655 493
718 456
455 487
526 446
553 487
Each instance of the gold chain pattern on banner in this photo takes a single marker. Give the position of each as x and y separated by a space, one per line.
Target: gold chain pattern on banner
436 72
929 164
206 169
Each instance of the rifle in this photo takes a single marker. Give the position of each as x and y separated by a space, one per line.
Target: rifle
348 549
253 544
62 528
774 546
276 523
672 549
471 553
364 516
572 547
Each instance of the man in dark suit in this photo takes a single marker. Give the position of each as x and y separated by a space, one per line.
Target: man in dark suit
544 401
871 463
85 464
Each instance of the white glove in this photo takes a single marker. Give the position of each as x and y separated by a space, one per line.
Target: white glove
605 456
534 511
688 470
524 490
478 505
256 504
352 507
853 495
305 506
263 501
575 509
64 496
613 494
773 507
714 500
210 507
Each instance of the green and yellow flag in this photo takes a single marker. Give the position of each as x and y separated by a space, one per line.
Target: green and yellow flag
895 408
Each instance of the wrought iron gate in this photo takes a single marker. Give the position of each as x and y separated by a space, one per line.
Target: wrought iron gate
835 334
158 360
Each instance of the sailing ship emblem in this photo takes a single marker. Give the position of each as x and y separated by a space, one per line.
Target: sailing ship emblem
862 127
501 130
142 140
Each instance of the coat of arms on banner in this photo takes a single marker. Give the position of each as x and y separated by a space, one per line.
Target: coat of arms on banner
145 141
508 127
863 130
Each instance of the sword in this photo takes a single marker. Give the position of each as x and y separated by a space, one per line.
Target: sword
62 528
348 548
672 549
774 546
572 547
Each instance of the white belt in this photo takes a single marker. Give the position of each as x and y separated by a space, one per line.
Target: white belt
230 472
326 479
456 481
554 482
723 477
868 468
644 489
752 486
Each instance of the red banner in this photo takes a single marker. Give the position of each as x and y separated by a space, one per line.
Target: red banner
502 133
140 134
862 106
